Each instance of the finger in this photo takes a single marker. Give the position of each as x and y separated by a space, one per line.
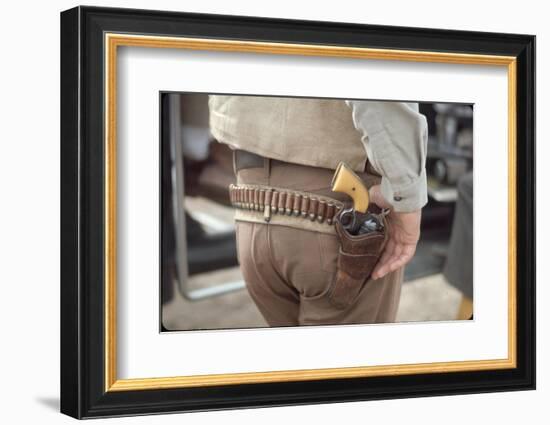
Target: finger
384 258
398 252
382 266
407 254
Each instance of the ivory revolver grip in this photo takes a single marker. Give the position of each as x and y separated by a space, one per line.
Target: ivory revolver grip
346 181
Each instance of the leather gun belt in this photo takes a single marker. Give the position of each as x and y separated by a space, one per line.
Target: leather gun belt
270 204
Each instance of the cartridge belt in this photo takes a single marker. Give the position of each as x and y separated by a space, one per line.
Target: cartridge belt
291 203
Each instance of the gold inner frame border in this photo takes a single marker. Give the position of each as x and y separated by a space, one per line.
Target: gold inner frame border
113 40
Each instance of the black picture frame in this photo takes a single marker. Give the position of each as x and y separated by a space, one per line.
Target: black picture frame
83 393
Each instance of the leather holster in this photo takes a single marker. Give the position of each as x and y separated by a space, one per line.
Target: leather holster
357 258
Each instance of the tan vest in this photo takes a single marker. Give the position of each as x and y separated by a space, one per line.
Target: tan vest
315 132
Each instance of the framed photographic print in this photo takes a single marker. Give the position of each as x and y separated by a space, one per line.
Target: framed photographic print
260 212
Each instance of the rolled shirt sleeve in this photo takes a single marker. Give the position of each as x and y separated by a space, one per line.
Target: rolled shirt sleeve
395 136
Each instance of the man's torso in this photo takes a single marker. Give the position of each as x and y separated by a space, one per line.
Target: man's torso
314 132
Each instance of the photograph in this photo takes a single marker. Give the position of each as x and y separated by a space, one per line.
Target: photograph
291 211
263 212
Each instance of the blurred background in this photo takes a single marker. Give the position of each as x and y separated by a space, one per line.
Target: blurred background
201 284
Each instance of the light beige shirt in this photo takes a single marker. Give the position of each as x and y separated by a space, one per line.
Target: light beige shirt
395 137
323 132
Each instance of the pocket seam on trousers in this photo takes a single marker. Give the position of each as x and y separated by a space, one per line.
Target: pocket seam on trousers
331 272
323 259
237 241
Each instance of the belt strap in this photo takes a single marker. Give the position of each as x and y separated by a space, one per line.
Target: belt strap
296 204
244 159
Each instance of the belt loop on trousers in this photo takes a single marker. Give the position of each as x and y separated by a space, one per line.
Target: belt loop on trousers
267 169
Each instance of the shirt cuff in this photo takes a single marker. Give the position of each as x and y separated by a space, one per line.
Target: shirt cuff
406 197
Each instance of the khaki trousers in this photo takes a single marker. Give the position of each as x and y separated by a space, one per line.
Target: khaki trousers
289 269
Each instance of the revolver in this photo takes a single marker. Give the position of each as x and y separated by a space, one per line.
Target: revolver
356 220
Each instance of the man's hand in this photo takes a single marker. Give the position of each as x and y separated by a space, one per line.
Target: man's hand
403 234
